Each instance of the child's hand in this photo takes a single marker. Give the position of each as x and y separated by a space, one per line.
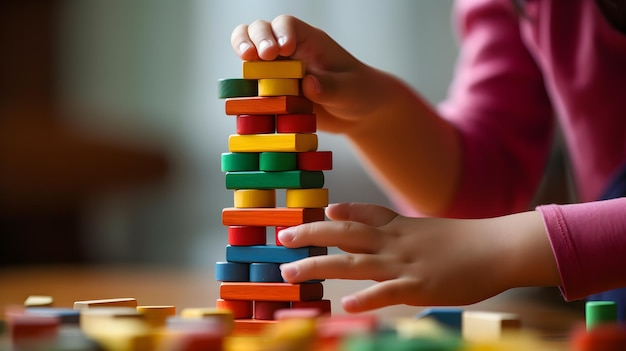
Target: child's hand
344 89
423 261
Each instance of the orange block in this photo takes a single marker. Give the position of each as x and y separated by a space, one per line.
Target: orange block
251 326
271 216
268 105
271 291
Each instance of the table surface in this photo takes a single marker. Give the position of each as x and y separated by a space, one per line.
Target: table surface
541 310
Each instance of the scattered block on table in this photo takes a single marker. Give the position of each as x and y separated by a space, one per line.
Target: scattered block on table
248 327
24 326
310 198
600 312
241 309
271 216
116 302
423 327
323 306
480 326
279 86
284 142
277 230
278 161
207 325
237 87
448 317
344 325
271 253
264 310
272 69
240 161
224 316
271 291
268 105
156 316
315 161
255 124
38 301
602 337
296 123
274 180
251 198
241 235
65 315
117 328
196 339
264 272
232 272
297 313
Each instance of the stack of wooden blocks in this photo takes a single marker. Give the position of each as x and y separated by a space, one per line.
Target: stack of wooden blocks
275 148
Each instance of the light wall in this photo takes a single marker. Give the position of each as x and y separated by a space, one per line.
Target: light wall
147 72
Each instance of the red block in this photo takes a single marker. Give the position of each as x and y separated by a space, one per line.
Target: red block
264 310
296 123
241 309
315 160
243 235
277 230
256 124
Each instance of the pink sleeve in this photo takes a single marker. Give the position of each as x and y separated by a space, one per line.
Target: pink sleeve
498 103
589 244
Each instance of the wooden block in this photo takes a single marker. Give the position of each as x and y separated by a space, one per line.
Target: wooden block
272 69
296 123
264 272
264 310
279 86
250 198
223 316
308 198
40 300
232 272
117 328
248 327
274 180
276 231
272 291
255 124
315 161
271 253
65 315
241 309
297 313
237 87
194 339
278 161
24 327
268 105
240 161
480 326
446 316
213 325
117 302
285 142
600 312
344 325
241 235
323 306
156 316
271 216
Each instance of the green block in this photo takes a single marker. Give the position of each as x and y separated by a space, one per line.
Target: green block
600 312
278 161
275 180
390 342
237 87
240 161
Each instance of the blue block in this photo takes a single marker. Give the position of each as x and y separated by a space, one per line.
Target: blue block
270 253
265 273
65 315
448 317
232 272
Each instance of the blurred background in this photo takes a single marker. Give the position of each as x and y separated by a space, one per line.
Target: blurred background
111 132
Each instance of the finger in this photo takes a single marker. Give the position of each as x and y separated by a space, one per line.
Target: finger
387 293
353 267
368 214
285 35
242 44
262 36
348 236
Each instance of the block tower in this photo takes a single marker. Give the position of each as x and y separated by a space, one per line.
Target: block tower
274 148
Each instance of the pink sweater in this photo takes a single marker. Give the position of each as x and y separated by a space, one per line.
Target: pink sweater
512 77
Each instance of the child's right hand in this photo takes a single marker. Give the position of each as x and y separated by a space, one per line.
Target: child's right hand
344 89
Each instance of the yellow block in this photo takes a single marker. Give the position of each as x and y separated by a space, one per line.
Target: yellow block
478 326
250 198
279 86
156 316
117 302
307 198
117 328
225 317
283 142
39 301
273 69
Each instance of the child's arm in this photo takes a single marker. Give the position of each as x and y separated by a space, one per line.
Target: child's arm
423 261
408 147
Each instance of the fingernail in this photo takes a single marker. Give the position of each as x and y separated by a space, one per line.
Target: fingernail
243 47
264 44
349 302
282 41
286 235
289 271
